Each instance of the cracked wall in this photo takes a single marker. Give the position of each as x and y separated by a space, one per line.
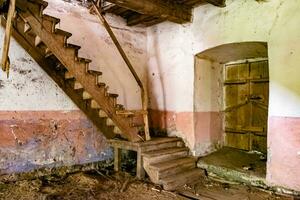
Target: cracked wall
39 125
171 51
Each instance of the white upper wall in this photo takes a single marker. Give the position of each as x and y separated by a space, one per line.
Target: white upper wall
29 87
172 48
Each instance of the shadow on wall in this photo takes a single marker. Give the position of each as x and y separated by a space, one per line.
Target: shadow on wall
158 118
208 90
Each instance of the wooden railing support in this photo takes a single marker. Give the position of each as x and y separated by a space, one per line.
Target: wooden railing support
5 59
144 93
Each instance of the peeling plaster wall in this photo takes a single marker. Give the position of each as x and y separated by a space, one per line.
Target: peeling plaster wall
39 125
172 48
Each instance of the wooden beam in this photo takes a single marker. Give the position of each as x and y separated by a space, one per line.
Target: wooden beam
219 3
137 19
169 10
5 60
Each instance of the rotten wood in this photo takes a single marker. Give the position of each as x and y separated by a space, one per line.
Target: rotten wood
246 105
5 59
169 10
144 93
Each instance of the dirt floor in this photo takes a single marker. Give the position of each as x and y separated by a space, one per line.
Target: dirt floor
102 186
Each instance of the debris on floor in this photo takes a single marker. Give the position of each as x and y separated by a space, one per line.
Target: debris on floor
122 186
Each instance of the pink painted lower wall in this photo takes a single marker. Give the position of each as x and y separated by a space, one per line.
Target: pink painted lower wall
173 121
208 132
283 168
201 130
33 139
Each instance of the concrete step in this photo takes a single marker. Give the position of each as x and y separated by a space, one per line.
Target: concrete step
180 179
157 156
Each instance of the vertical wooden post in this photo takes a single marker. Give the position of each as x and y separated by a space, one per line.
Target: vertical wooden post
117 159
5 60
140 172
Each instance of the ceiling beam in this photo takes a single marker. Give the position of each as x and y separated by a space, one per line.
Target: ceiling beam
165 9
219 3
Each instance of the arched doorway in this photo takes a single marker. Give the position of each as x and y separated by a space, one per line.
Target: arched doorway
231 88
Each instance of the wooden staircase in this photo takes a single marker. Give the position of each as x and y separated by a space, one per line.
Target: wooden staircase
48 45
171 166
165 160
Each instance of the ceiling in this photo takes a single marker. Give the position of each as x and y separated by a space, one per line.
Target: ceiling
151 12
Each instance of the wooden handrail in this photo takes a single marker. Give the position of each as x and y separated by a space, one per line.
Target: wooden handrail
144 93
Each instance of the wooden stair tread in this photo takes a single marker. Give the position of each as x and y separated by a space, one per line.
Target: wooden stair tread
73 46
162 152
165 165
160 140
80 59
62 32
98 73
113 95
174 181
101 84
50 18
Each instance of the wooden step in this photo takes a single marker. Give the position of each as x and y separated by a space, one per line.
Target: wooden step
117 130
62 36
109 122
101 84
161 143
167 165
112 95
27 28
172 182
37 41
72 49
37 7
102 114
94 104
50 18
164 154
119 107
96 73
85 60
86 95
161 140
77 86
63 33
157 171
69 75
48 53
49 23
73 46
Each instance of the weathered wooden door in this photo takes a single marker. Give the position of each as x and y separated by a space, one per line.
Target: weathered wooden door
246 97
